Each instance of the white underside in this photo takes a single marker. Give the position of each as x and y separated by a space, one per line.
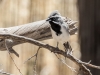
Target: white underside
62 38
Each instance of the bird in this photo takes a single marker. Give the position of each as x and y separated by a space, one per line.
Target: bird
59 29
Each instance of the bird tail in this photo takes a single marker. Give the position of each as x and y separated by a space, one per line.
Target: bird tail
67 47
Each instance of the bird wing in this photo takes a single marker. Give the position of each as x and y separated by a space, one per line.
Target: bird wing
65 27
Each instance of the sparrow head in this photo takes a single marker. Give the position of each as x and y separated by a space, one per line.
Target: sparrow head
53 18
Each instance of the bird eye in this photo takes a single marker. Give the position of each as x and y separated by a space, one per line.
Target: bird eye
54 19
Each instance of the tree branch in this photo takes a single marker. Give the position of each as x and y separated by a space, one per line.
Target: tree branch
12 58
50 48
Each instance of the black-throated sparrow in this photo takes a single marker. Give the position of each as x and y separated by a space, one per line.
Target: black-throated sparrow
59 28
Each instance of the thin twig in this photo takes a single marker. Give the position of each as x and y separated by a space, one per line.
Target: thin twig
35 55
36 61
12 58
32 56
66 64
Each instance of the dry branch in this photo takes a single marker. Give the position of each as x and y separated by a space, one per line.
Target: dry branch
52 49
27 30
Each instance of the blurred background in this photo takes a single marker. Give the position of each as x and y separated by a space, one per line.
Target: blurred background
18 12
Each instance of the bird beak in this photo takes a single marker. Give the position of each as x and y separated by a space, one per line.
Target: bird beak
48 19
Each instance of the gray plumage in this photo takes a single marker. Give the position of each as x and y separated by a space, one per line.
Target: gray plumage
59 28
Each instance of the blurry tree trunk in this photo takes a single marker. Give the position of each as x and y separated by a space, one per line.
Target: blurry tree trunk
89 33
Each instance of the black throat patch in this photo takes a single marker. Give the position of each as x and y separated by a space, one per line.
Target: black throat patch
56 28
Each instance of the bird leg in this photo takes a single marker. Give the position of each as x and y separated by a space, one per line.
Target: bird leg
57 45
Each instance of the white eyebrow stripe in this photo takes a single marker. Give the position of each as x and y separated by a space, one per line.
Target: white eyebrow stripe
57 22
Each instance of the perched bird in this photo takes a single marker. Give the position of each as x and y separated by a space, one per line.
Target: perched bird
59 29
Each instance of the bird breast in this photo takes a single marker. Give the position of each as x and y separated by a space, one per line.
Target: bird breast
63 37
